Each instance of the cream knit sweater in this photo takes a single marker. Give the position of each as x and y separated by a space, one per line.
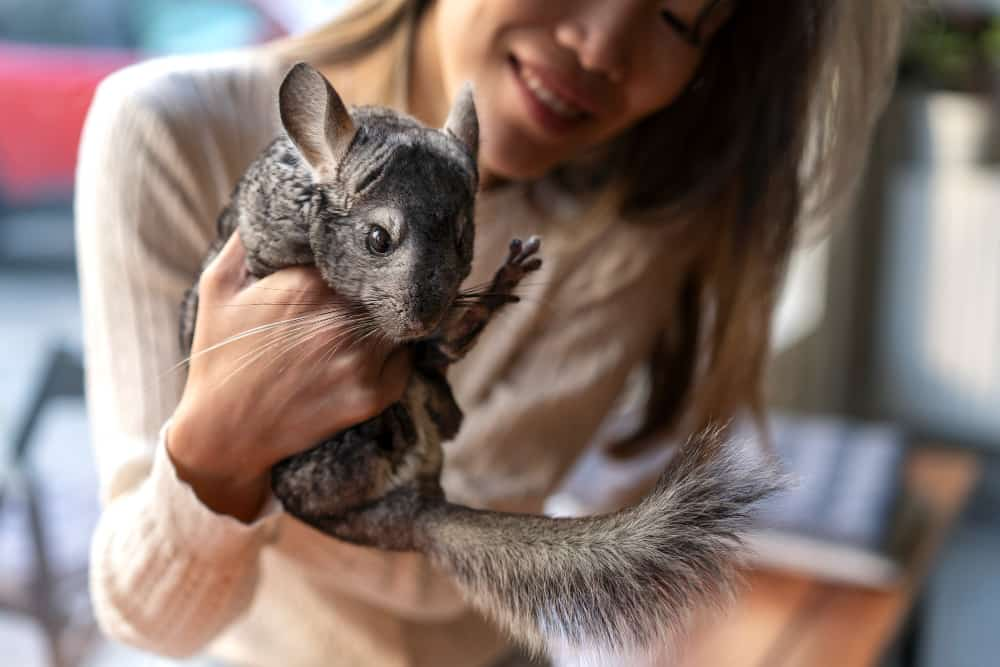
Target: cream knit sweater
164 143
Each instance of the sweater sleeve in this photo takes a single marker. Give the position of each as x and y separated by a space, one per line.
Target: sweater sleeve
167 573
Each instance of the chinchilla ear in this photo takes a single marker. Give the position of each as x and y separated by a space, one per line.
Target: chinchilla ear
315 118
462 121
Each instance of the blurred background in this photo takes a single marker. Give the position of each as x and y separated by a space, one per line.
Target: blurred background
894 318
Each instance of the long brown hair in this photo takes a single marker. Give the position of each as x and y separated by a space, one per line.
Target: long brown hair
766 142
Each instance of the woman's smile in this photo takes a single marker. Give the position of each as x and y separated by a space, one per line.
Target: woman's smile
551 103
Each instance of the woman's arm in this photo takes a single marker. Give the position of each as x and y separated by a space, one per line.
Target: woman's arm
167 573
175 553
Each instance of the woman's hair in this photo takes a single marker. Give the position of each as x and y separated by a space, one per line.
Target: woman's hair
767 141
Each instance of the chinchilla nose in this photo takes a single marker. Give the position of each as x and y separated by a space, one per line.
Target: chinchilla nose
427 306
428 300
432 287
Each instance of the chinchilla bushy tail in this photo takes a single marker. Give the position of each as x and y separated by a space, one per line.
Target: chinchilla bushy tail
619 582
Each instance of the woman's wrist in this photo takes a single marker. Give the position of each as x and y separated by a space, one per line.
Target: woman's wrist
226 486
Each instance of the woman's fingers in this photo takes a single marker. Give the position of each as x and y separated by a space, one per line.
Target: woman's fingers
329 376
299 287
378 383
226 274
396 374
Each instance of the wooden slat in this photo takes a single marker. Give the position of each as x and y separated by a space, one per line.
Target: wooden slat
744 636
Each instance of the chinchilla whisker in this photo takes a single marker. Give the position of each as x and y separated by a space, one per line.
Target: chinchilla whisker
487 286
335 346
374 333
362 333
473 298
273 339
323 318
480 285
470 294
462 301
323 322
277 338
336 343
236 337
275 334
346 338
521 286
326 356
306 331
276 327
349 338
363 328
475 295
274 303
278 289
290 342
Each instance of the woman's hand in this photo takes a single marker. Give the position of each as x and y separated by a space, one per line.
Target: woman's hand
252 400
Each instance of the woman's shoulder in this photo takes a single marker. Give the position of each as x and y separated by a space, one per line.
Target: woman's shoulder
166 140
196 121
173 83
220 103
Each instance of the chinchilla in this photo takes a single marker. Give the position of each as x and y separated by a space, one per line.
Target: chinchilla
384 207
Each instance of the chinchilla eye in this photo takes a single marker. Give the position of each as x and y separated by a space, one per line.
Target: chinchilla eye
378 241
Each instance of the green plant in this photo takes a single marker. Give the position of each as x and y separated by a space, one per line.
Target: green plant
991 42
957 51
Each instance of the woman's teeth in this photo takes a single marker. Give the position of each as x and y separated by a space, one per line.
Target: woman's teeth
551 100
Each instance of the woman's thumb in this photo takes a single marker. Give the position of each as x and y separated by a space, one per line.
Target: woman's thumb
227 272
396 374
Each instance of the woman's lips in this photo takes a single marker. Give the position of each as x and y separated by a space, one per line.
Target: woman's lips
567 88
549 102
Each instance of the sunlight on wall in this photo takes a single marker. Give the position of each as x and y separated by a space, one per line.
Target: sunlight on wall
941 326
963 281
803 298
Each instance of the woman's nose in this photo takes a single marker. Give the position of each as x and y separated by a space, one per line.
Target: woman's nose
598 33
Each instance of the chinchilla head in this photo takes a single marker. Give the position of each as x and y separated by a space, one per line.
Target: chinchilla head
391 212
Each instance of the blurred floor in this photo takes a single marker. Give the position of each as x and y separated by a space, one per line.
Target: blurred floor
38 307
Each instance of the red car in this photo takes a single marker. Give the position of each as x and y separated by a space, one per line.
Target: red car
53 53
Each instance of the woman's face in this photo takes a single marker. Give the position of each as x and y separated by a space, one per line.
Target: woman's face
553 78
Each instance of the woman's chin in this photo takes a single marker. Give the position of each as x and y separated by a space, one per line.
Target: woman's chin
513 168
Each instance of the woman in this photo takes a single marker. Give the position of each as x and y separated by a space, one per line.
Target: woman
665 150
